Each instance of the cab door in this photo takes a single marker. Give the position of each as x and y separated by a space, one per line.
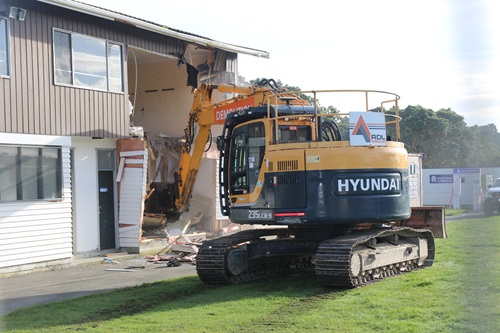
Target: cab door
247 152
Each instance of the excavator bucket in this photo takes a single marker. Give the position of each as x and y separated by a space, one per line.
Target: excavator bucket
428 217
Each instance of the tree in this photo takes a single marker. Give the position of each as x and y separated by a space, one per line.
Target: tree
419 129
445 140
242 81
484 142
457 149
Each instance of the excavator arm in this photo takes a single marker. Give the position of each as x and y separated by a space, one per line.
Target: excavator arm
197 134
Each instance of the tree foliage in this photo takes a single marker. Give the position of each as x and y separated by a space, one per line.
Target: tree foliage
442 137
445 140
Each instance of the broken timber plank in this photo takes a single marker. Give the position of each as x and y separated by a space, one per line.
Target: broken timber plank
120 270
132 153
120 170
133 161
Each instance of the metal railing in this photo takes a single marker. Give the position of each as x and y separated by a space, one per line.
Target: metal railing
293 98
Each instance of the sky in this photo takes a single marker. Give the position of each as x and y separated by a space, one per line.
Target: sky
433 53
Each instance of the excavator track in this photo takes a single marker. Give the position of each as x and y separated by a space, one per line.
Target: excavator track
354 259
340 264
212 258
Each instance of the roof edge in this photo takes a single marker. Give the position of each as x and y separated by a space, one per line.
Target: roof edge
113 16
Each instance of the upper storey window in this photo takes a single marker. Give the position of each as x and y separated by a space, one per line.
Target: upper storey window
87 62
4 48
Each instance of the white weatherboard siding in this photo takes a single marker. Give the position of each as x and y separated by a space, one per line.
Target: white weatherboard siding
132 181
37 231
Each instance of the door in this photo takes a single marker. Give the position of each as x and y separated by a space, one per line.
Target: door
106 199
106 210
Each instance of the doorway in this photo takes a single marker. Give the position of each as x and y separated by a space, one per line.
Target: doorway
106 186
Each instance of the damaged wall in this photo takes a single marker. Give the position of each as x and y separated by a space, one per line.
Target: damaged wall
163 99
160 93
163 161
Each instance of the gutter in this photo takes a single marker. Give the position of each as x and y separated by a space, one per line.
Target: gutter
122 18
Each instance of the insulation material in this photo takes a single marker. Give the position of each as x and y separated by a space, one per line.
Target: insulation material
163 162
164 159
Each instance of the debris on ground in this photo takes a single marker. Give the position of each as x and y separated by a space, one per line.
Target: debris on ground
171 260
109 261
230 229
120 270
181 240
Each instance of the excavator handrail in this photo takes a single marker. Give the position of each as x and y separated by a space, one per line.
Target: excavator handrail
339 114
397 118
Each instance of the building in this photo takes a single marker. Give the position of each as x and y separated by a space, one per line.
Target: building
457 187
75 81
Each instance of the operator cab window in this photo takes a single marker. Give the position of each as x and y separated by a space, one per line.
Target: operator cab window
247 151
293 133
256 149
239 179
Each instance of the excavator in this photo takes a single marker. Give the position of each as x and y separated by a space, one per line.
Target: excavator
332 202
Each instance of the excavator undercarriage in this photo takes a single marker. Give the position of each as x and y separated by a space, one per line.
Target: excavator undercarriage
353 259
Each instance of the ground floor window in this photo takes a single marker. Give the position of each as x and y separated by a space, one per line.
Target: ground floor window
30 173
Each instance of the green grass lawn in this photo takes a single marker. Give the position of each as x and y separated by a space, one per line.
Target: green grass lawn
454 211
460 293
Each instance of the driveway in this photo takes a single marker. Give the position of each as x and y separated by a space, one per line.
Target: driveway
81 279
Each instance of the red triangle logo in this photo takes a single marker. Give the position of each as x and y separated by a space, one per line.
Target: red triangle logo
362 129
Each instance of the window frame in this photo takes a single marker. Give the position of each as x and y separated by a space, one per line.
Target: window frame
40 171
7 47
107 44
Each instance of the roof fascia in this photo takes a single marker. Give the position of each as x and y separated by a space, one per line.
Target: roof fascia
105 14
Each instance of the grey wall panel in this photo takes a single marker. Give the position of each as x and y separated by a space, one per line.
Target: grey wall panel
32 104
